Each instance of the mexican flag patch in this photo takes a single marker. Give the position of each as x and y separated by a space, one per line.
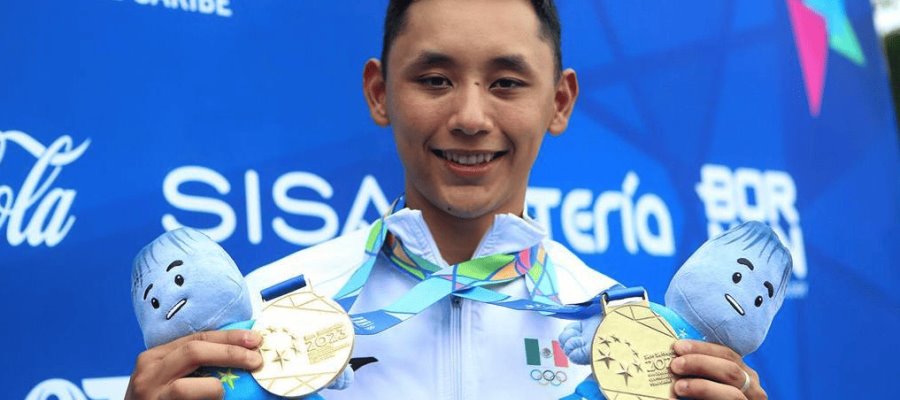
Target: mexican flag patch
545 353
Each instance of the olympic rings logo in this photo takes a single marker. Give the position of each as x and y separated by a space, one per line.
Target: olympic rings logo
548 377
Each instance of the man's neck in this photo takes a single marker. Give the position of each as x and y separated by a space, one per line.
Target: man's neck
457 238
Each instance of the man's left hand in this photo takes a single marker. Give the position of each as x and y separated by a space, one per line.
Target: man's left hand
712 371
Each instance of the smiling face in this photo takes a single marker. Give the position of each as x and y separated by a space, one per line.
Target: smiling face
470 92
732 286
184 282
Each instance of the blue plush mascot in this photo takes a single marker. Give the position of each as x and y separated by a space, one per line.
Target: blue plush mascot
184 282
727 292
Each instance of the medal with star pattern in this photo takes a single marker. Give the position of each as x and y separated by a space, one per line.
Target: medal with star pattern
631 352
307 342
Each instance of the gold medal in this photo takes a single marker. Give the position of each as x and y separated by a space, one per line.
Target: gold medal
307 342
631 352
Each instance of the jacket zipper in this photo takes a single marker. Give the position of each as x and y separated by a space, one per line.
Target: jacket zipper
456 346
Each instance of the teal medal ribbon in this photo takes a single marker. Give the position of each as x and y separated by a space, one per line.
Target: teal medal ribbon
467 279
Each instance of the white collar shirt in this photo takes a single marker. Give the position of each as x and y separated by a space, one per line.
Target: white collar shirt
456 348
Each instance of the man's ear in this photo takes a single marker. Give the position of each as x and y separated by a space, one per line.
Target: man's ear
374 91
564 101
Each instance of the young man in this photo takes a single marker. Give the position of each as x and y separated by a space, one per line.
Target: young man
470 88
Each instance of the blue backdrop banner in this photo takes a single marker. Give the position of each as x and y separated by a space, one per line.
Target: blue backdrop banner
120 119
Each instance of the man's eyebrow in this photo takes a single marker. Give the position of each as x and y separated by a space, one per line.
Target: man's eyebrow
744 261
512 62
147 291
427 59
174 264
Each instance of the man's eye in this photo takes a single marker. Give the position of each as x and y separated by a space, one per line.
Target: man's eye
179 280
435 81
507 84
154 302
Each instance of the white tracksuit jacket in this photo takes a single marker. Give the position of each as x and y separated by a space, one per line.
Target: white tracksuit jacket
457 348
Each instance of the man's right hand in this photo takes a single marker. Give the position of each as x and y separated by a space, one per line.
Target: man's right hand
161 373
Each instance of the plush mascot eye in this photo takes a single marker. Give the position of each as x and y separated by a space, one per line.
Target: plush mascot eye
736 277
154 302
179 280
759 301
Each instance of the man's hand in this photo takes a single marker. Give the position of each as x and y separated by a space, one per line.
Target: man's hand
160 372
712 371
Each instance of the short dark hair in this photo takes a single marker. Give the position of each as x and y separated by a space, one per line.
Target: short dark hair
395 19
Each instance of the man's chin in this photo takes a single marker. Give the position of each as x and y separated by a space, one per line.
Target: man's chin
463 202
463 212
471 207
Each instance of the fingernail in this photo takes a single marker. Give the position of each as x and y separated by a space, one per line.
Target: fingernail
252 338
682 346
678 364
256 358
681 387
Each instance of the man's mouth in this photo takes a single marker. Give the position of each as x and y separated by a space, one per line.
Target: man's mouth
734 304
177 307
469 157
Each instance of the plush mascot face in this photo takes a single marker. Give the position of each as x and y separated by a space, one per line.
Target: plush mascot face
732 286
184 282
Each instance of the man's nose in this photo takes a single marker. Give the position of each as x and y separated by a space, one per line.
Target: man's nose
471 115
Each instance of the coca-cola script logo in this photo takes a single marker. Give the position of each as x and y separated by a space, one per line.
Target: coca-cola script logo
47 208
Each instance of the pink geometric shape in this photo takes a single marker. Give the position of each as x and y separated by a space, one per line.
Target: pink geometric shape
811 38
525 256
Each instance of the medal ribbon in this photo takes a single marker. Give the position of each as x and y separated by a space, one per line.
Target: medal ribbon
466 279
470 277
